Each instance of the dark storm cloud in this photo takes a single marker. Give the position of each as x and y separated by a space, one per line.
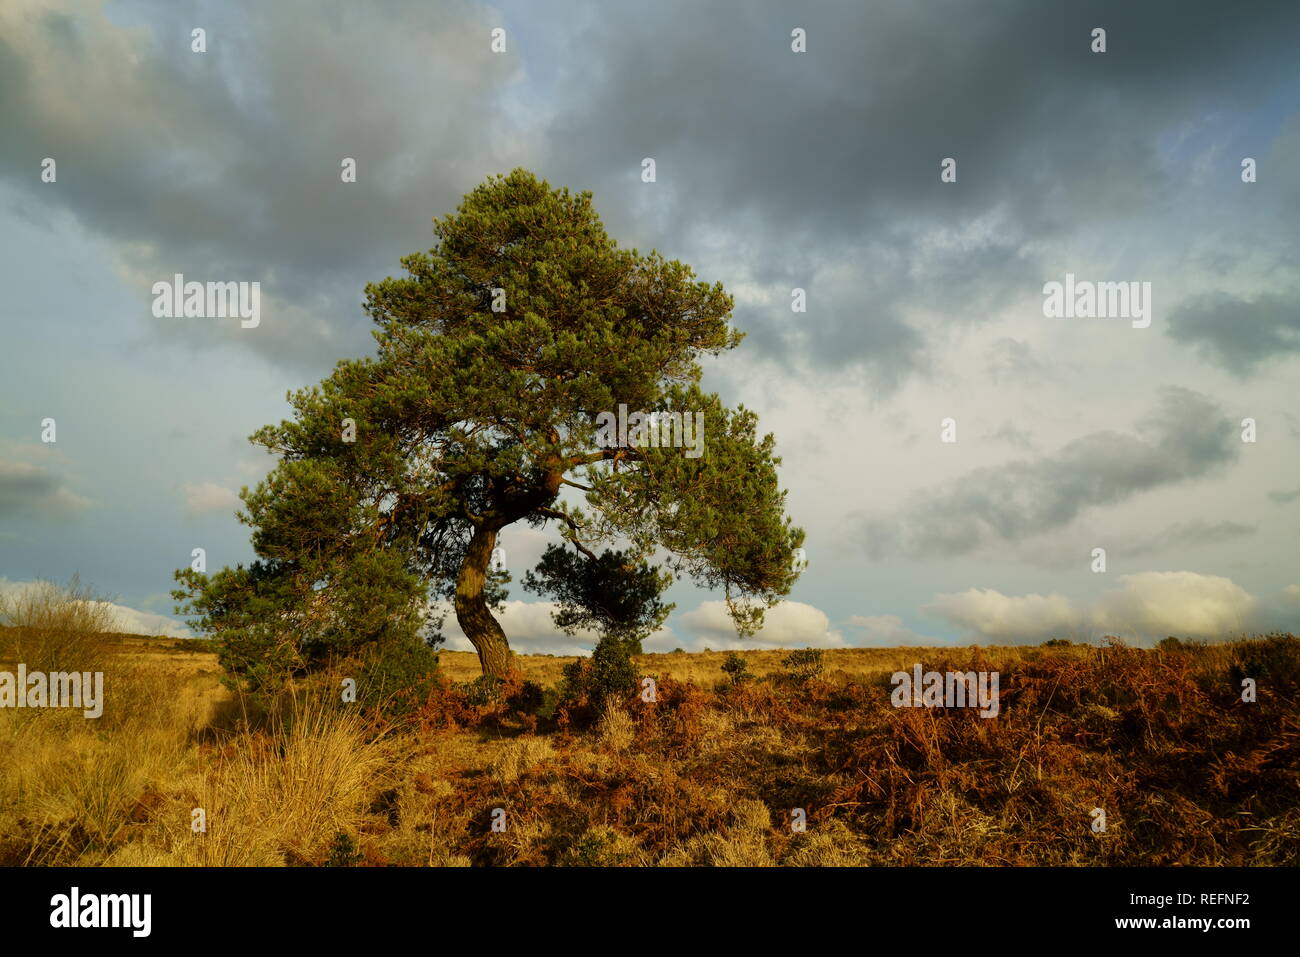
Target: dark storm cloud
1239 334
225 165
27 490
833 155
820 168
1185 437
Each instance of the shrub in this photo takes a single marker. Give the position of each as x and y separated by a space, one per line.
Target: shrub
343 852
613 674
678 714
550 701
528 698
445 708
736 669
600 847
396 677
57 627
1057 643
608 675
482 691
805 663
1275 658
485 700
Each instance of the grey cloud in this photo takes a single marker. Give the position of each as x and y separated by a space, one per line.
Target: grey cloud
1184 535
888 631
833 155
226 165
1011 360
850 134
1185 437
1008 433
1285 498
1239 334
27 490
855 318
1174 540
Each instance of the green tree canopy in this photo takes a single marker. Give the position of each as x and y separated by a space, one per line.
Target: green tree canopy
502 354
610 592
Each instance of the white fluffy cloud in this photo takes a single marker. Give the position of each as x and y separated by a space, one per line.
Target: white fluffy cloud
1146 606
791 624
132 621
987 613
1156 604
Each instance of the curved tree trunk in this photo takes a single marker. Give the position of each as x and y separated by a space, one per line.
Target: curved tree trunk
472 612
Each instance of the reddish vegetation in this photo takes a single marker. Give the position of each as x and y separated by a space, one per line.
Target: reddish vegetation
714 772
1161 741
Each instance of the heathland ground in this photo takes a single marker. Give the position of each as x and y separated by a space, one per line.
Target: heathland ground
720 769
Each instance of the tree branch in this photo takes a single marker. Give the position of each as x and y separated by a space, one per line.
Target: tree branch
573 526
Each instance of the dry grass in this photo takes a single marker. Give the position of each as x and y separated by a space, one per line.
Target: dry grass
52 627
705 667
706 775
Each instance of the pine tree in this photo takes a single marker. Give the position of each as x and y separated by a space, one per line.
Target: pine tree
500 355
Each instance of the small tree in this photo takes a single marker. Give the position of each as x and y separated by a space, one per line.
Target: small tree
504 354
804 663
736 669
607 676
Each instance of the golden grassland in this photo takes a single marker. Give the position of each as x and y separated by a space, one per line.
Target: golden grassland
708 774
705 667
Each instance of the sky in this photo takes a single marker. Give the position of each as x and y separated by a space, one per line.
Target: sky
776 169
